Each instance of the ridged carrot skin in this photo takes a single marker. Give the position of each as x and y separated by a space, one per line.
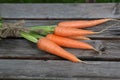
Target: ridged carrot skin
51 47
67 42
79 37
65 31
82 23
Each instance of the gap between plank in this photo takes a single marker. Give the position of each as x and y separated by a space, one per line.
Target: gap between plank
54 58
52 18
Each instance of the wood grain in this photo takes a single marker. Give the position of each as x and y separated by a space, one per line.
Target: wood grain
20 59
59 11
22 49
38 69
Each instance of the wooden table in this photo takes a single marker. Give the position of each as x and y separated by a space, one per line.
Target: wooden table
20 59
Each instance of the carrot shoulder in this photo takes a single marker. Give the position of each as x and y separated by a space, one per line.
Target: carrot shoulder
82 23
51 47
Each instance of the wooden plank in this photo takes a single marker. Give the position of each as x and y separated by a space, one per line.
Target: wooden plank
116 9
60 79
22 49
105 35
59 11
37 69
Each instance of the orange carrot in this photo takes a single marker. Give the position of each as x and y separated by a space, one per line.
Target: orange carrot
79 37
65 31
67 42
51 47
82 23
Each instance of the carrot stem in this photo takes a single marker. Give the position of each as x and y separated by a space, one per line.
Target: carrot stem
0 25
42 27
36 35
43 30
28 37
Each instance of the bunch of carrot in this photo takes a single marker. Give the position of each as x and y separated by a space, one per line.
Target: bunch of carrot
64 35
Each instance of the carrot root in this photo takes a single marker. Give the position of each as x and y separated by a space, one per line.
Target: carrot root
105 28
82 23
99 52
115 20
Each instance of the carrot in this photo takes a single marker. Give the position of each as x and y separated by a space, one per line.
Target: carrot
79 37
67 42
65 31
82 23
51 47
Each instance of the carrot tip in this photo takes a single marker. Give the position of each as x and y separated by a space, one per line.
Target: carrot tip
99 52
109 19
87 38
83 62
116 20
107 28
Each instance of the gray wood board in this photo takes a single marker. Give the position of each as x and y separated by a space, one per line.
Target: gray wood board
108 34
38 69
23 49
60 11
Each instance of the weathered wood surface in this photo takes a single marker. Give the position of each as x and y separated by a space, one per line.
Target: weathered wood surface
38 69
60 11
22 11
108 34
20 59
22 49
